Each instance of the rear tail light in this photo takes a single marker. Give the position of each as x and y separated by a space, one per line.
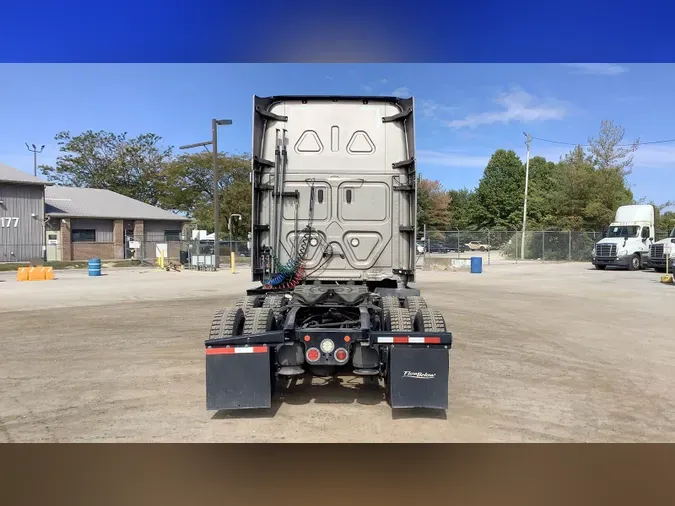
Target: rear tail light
341 355
312 355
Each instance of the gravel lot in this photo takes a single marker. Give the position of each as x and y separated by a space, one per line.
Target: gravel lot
543 352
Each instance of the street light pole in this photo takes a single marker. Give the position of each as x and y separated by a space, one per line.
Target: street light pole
35 152
216 204
528 141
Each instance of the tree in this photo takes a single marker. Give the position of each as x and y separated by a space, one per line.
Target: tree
539 207
499 196
664 221
462 209
607 149
583 196
187 186
433 205
130 166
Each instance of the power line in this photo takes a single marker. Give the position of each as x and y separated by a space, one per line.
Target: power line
588 145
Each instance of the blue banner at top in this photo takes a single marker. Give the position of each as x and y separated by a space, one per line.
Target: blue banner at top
346 31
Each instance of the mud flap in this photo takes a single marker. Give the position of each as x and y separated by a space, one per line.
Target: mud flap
238 378
418 377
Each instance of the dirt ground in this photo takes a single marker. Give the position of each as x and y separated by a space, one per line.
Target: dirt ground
542 352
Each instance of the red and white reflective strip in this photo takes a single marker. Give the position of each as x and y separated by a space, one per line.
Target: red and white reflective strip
408 340
231 350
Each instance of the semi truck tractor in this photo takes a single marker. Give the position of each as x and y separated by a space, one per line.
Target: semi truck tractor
628 239
333 249
661 252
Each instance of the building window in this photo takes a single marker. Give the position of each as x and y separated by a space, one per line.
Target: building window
83 235
172 235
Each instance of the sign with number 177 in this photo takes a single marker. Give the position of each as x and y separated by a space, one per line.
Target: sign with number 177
8 221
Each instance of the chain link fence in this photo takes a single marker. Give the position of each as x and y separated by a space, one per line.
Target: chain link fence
144 249
542 245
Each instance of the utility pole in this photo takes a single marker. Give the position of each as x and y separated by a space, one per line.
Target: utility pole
216 205
528 141
35 152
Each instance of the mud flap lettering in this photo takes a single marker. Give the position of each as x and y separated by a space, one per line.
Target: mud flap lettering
418 377
238 378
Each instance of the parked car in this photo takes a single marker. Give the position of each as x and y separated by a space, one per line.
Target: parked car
477 246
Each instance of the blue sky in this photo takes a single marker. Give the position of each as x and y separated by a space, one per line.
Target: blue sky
464 111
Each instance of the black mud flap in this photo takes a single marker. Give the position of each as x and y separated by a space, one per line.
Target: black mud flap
238 378
418 377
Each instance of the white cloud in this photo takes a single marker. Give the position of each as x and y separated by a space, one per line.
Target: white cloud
432 109
448 158
654 156
517 105
401 92
366 87
330 78
384 81
597 69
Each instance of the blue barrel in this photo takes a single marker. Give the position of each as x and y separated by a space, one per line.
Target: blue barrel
476 265
95 267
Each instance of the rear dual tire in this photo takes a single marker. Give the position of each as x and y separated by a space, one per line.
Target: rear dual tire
234 321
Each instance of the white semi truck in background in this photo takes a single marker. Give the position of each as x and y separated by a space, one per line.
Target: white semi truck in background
628 239
661 252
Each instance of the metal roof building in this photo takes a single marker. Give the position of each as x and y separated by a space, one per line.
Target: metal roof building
22 207
10 175
88 222
64 201
57 223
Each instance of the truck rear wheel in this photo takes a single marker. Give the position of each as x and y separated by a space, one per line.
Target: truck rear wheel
273 301
414 303
248 302
227 322
429 320
399 319
258 320
389 302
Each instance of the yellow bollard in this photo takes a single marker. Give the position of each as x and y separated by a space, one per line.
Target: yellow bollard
49 273
668 278
36 274
232 261
22 274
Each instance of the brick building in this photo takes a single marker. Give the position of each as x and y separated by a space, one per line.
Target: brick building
82 223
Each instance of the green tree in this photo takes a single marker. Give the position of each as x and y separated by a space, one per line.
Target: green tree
539 206
664 221
499 196
187 186
608 151
462 209
130 166
583 196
